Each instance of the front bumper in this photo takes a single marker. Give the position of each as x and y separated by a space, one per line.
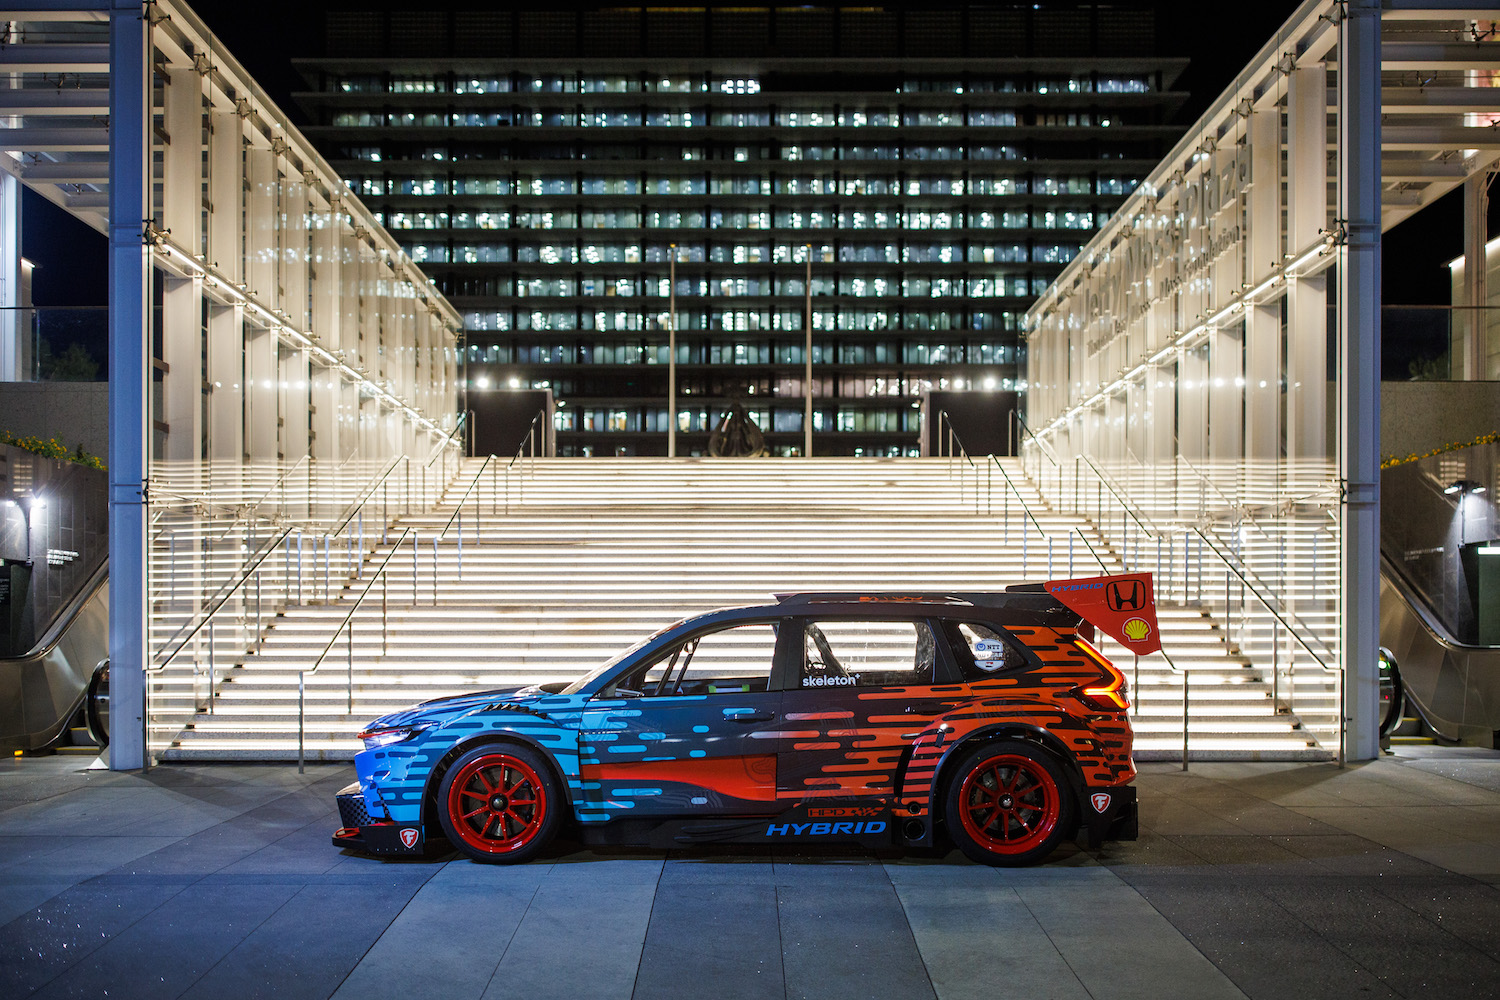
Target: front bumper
358 831
1108 814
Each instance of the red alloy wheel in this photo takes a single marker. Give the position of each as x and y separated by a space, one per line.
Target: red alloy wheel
497 803
1009 803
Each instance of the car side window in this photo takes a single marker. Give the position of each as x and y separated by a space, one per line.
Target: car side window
735 660
989 651
843 653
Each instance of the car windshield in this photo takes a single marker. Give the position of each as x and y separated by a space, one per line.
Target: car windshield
617 659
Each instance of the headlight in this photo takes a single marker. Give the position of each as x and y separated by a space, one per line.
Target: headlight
387 735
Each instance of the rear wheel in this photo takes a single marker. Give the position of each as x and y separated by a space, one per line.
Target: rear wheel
499 803
1009 804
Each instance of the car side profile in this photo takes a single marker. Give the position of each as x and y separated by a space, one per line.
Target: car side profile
879 719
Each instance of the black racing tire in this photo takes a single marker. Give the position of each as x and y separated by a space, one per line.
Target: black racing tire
500 803
1008 804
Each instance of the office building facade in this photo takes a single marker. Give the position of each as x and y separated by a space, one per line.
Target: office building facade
589 186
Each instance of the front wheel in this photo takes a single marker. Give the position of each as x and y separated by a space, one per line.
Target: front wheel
1008 804
499 803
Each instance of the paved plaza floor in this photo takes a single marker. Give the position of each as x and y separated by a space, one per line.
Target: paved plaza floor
1249 880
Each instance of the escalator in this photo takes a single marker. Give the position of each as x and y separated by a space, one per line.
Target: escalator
61 683
1454 686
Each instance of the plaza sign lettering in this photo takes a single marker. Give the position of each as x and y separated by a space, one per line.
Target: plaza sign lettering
1171 242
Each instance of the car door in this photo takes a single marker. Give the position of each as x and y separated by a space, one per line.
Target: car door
859 691
692 732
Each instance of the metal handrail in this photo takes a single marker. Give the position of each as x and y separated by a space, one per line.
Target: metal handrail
459 508
1041 447
447 440
225 593
1245 581
302 675
355 507
1125 503
530 433
1019 499
280 480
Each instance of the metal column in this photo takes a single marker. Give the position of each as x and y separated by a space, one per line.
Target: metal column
1359 372
129 369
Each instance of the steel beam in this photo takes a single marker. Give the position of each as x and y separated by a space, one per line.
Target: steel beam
55 140
49 101
35 58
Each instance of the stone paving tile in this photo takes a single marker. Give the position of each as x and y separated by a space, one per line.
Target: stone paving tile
1404 951
41 944
723 939
199 926
307 947
852 945
576 940
979 941
1259 946
446 943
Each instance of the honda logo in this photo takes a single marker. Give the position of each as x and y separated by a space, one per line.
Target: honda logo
1125 595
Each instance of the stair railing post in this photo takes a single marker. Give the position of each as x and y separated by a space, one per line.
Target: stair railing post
1184 718
301 720
1275 666
459 523
416 555
385 631
350 661
210 664
434 571
1136 687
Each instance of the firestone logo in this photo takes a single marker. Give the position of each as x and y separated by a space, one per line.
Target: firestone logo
409 837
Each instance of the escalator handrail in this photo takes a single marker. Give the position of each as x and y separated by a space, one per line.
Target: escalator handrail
65 616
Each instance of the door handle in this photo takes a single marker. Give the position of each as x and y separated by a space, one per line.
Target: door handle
747 715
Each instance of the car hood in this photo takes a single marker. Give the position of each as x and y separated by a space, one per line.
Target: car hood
442 709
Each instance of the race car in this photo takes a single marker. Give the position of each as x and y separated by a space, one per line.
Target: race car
878 719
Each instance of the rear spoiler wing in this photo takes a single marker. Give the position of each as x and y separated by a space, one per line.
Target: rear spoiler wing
1123 607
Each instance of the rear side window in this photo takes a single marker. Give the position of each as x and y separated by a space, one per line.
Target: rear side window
843 653
989 651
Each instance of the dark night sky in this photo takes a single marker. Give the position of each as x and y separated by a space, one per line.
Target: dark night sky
1218 39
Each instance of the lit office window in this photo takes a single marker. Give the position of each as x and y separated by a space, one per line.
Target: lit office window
1124 85
364 84
481 253
359 119
423 185
481 85
689 184
605 118
481 185
547 253
609 85
869 253
549 85
741 85
992 117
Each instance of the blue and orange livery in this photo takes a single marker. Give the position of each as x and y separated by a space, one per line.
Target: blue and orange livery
988 719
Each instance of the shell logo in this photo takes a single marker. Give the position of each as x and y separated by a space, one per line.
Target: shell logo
1136 629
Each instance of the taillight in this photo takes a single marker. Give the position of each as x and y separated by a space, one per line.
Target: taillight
1108 696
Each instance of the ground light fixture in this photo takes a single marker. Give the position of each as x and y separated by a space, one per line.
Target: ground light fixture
1463 487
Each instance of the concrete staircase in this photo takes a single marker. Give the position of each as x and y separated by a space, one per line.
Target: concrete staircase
591 556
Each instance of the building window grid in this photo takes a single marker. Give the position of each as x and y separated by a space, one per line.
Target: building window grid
1027 186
